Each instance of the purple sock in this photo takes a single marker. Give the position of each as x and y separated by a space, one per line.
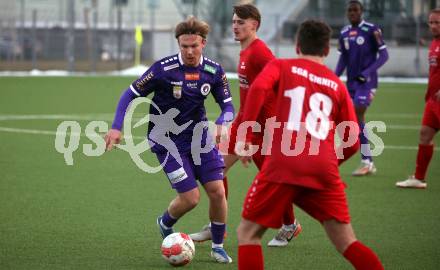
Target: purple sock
365 144
217 232
168 220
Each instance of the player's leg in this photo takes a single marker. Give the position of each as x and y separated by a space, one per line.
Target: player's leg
250 253
343 238
362 99
229 160
264 206
288 231
330 207
430 127
291 227
182 179
210 174
227 150
424 155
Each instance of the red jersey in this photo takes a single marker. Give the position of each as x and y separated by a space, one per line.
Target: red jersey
434 69
310 102
252 61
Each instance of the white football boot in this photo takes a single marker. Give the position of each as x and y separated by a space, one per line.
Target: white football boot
285 234
412 182
365 168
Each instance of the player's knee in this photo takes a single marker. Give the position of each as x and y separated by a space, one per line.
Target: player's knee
243 235
191 200
215 190
218 193
248 233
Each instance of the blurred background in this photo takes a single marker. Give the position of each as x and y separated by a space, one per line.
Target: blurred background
99 35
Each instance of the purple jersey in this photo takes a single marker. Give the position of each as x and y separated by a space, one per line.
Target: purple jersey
185 88
359 47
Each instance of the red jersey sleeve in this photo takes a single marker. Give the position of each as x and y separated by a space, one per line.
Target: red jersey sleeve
347 114
260 90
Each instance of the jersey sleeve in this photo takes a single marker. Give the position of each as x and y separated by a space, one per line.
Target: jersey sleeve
378 38
147 82
223 97
260 89
347 113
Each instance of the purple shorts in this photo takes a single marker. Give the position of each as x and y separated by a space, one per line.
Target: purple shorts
183 178
362 94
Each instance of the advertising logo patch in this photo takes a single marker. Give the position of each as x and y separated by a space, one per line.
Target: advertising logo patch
210 69
192 76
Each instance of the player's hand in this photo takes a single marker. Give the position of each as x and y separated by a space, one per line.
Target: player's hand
221 134
242 150
112 137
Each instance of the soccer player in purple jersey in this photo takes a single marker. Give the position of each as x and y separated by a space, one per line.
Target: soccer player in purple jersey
362 51
182 82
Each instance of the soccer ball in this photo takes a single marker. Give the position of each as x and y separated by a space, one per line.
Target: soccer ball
178 249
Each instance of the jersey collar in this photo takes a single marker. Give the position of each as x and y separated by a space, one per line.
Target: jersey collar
181 60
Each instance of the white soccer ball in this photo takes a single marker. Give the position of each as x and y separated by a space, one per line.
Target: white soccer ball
178 249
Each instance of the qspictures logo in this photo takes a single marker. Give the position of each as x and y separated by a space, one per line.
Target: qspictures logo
68 134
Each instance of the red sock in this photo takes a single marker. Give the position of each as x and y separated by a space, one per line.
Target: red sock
424 156
225 184
362 257
288 217
250 257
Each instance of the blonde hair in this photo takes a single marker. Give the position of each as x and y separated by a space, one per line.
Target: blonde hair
192 26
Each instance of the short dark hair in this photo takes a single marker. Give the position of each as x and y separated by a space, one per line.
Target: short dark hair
356 2
192 26
435 10
313 37
246 11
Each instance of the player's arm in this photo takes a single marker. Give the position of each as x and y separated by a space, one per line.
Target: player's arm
380 60
223 97
260 89
342 62
350 134
140 87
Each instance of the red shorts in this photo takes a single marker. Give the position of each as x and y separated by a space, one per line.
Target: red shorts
266 203
431 115
227 147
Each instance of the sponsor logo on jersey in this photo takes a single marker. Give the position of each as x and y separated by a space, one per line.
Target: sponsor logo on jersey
352 33
192 85
437 49
225 85
364 28
210 69
177 83
192 76
173 66
141 83
177 176
360 40
243 65
206 87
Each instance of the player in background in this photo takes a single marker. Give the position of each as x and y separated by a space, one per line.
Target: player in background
182 82
254 55
362 51
311 102
431 115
